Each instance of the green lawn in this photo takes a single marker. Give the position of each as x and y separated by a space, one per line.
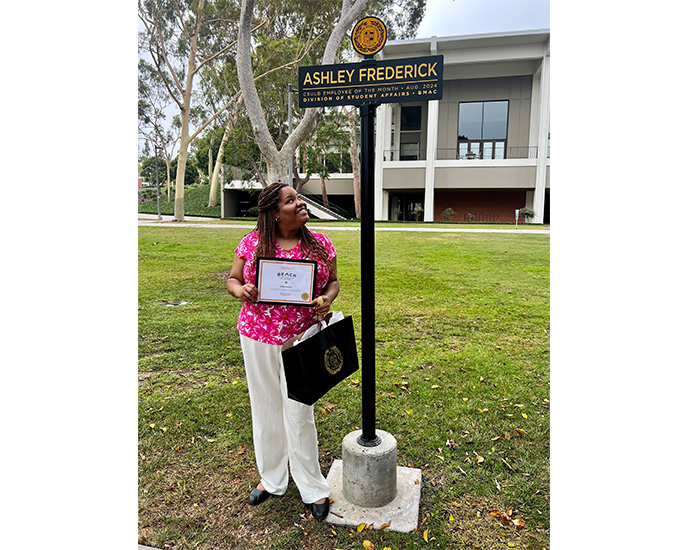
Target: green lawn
462 383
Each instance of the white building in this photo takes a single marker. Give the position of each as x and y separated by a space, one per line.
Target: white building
482 150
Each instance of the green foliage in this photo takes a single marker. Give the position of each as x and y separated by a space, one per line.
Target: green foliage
527 213
448 214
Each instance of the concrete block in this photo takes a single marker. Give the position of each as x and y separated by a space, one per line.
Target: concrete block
401 513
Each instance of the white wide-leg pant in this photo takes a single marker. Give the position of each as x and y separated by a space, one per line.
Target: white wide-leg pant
284 431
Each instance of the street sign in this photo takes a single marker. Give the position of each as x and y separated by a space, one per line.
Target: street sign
370 81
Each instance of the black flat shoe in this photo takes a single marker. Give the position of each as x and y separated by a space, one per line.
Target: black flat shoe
257 496
320 511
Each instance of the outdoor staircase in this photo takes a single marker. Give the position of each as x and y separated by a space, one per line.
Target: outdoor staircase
317 208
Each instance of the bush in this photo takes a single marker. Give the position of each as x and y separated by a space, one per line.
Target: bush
448 214
527 213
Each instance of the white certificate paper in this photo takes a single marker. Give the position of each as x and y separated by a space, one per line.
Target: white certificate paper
286 282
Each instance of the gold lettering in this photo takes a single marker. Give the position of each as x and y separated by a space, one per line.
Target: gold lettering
389 73
361 74
380 73
350 73
399 72
419 69
371 74
325 78
307 79
408 71
340 76
431 69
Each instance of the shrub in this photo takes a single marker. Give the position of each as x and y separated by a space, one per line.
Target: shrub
527 213
448 214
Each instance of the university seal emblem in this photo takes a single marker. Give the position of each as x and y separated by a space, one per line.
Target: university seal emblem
334 360
369 36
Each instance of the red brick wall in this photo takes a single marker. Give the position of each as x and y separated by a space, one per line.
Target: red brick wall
487 205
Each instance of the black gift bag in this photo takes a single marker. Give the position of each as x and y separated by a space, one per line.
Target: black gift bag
319 363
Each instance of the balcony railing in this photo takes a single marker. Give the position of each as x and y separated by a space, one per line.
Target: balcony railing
453 154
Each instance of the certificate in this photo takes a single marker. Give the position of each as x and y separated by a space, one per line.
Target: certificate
286 282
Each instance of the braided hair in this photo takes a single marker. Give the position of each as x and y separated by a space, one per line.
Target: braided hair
266 227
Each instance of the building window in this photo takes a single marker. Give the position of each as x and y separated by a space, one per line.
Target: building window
482 129
409 139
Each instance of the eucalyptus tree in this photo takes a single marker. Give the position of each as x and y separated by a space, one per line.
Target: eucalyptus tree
403 17
181 37
153 126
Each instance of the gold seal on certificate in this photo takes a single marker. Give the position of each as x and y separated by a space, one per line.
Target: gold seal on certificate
286 282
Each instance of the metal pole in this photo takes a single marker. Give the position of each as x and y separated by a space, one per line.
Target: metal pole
290 168
368 436
157 181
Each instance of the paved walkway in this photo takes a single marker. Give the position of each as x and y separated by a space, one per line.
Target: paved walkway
151 220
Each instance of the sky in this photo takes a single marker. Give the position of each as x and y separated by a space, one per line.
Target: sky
459 17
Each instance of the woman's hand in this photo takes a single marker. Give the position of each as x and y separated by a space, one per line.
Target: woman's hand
322 305
247 293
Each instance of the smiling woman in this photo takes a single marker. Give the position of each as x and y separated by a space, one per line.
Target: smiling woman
284 432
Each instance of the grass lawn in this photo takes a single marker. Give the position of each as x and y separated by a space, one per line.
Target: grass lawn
462 383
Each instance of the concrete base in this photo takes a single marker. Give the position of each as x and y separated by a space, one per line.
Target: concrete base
369 473
401 514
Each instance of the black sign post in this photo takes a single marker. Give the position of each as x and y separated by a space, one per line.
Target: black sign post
368 84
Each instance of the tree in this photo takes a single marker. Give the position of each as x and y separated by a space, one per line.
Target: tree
153 101
277 159
407 14
324 149
182 38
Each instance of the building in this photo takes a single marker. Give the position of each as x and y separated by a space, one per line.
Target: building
481 151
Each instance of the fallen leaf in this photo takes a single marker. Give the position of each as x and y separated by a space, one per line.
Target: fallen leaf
385 525
520 431
451 518
409 411
519 523
465 398
524 415
480 459
151 425
415 482
425 535
360 527
368 544
434 387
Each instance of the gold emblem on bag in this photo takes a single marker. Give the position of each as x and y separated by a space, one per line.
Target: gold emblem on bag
334 360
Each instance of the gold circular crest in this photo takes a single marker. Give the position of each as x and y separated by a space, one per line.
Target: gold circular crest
369 36
334 361
304 296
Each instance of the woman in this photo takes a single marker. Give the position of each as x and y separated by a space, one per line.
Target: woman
284 431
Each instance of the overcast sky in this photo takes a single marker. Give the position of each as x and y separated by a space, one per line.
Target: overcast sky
457 17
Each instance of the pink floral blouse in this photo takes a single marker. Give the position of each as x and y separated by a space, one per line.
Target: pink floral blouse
275 324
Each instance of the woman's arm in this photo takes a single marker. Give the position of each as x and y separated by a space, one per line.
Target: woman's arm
330 291
235 283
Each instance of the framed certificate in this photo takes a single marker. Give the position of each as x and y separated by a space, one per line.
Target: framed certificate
286 282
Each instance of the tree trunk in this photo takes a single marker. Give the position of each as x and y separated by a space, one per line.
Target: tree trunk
185 115
169 178
323 187
210 162
353 153
277 160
